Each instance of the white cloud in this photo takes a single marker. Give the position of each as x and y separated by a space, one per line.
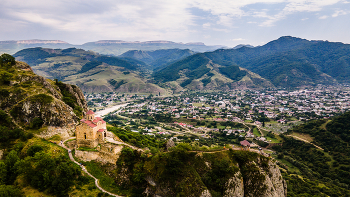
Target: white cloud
151 19
237 39
323 17
339 13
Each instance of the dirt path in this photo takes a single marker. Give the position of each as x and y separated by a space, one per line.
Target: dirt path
301 139
83 168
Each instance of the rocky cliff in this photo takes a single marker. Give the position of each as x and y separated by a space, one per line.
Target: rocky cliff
34 102
185 173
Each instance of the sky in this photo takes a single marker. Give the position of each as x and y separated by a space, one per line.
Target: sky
213 22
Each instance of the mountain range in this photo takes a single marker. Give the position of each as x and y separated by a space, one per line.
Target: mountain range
108 47
287 62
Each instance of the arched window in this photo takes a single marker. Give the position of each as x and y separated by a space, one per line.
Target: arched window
105 133
85 135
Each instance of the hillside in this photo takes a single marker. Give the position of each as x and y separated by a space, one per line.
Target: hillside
310 62
184 173
91 71
35 114
321 172
30 98
158 59
198 72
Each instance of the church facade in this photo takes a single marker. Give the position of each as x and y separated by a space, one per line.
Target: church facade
91 131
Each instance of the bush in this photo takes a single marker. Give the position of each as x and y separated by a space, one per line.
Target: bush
34 149
7 60
42 99
36 123
5 77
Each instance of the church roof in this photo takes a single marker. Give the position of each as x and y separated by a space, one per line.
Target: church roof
94 122
88 122
90 112
101 130
97 119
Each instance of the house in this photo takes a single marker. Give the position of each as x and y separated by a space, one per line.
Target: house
91 131
245 144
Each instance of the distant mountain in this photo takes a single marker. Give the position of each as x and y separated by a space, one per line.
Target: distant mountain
107 47
290 61
158 58
91 71
243 45
287 62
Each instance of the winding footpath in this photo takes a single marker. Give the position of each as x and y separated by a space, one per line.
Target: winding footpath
83 168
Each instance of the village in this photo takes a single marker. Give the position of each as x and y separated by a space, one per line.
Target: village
223 117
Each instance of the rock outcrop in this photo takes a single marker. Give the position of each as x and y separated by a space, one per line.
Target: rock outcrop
34 101
227 173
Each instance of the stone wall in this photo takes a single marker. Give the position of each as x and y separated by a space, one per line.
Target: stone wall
107 153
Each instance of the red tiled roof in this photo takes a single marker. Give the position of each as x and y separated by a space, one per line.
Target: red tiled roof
101 130
92 125
90 112
245 143
88 122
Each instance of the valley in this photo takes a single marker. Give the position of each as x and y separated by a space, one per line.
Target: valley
249 121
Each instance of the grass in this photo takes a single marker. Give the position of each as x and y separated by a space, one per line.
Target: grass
87 149
323 126
51 148
256 132
105 181
304 136
55 138
291 167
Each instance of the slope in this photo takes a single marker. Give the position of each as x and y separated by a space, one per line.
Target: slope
311 62
158 58
198 72
320 172
91 71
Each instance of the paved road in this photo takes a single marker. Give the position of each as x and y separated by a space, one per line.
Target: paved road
83 168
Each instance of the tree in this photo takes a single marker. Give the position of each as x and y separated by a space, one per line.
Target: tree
10 162
3 173
7 60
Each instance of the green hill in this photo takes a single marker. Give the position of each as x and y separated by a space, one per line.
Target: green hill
31 108
91 71
313 171
198 72
292 62
158 59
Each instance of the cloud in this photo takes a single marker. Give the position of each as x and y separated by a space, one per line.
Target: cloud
237 39
339 13
86 20
323 17
295 6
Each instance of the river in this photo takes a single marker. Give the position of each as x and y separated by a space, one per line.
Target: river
109 110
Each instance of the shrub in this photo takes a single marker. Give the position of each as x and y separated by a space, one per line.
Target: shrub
36 123
34 149
42 99
7 60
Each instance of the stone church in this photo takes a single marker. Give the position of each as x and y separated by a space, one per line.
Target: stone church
91 131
